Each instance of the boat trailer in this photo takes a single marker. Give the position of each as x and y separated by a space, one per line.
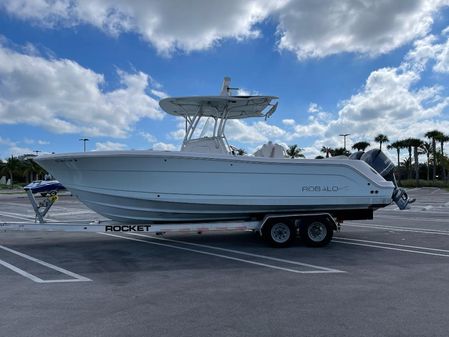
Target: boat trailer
279 230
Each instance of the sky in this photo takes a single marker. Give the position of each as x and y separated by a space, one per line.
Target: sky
96 69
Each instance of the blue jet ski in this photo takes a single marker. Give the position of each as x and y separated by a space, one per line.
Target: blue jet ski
44 187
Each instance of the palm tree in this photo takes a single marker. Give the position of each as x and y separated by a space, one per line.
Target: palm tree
427 148
27 170
380 138
12 166
361 146
340 151
433 135
442 139
408 143
407 164
327 151
398 145
294 151
416 143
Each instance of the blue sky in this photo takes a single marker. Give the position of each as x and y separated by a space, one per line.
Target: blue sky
96 69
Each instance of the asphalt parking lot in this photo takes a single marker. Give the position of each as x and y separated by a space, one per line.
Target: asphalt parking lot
385 277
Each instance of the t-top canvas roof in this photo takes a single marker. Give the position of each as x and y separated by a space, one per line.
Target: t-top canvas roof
231 107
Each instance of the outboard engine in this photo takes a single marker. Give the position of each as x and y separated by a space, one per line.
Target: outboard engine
385 167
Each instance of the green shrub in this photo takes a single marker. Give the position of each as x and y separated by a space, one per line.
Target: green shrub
423 183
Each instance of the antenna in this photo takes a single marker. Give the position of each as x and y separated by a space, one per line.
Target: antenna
225 86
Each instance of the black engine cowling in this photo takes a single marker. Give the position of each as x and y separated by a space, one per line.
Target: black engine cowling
380 162
385 167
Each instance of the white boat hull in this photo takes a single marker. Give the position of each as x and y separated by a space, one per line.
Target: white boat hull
181 186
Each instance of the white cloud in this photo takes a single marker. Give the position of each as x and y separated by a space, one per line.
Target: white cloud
159 94
442 59
246 92
237 130
64 97
167 25
316 124
308 28
33 141
391 102
312 28
11 148
148 137
288 122
178 134
428 49
164 147
313 107
110 146
16 150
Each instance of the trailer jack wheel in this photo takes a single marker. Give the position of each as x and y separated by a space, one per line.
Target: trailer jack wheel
279 233
316 233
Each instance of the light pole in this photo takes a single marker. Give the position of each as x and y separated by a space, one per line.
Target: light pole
84 140
344 139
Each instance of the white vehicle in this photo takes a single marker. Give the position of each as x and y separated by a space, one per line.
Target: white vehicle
207 181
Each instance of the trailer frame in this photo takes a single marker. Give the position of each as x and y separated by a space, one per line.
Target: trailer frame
278 229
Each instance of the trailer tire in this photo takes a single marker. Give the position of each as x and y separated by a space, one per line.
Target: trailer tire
279 232
316 232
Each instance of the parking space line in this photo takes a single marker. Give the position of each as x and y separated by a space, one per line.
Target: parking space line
387 247
74 213
413 189
21 271
76 277
221 255
16 216
396 210
395 244
442 220
243 253
401 229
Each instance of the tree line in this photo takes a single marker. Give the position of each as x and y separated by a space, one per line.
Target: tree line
21 170
436 166
437 163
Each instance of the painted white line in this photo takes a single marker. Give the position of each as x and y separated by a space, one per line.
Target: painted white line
76 277
413 189
21 271
395 244
216 255
33 277
442 220
16 216
389 248
15 204
54 214
242 253
401 229
413 211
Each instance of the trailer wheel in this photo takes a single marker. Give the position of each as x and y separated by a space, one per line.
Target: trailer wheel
279 233
316 233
